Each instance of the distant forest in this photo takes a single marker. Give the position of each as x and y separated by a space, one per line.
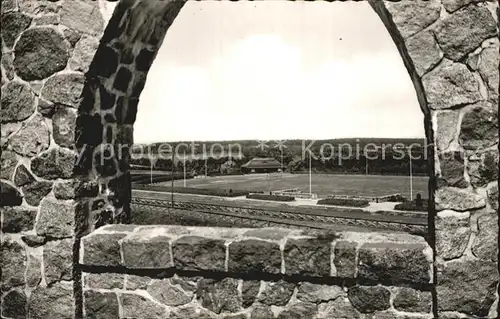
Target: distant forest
387 156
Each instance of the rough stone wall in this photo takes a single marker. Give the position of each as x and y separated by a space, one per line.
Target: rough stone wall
451 49
192 272
65 93
47 47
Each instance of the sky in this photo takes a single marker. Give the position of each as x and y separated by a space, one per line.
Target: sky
271 70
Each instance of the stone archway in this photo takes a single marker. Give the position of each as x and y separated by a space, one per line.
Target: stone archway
70 90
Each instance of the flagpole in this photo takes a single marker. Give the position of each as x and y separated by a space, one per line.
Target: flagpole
411 180
310 176
184 167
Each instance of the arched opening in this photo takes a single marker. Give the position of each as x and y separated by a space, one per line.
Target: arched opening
295 92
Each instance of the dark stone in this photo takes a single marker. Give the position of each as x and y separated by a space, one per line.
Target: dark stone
104 162
107 98
411 300
467 286
138 87
249 291
219 296
63 126
198 253
58 260
34 192
64 88
87 189
105 62
39 53
484 169
369 299
452 169
18 102
493 198
8 5
13 23
109 134
317 293
34 240
126 56
42 300
394 262
101 305
277 293
14 304
102 250
345 259
463 31
131 114
9 196
474 136
251 256
144 59
122 79
54 163
8 162
13 258
17 219
309 257
299 311
119 108
146 251
98 204
46 108
23 176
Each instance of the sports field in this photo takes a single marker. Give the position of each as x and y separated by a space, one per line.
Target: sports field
322 184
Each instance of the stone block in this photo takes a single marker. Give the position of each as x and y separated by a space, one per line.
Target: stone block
139 307
9 195
36 191
63 126
13 24
168 294
452 234
411 17
458 200
13 259
411 300
101 249
249 291
32 138
299 310
368 299
251 256
479 127
101 305
56 218
133 282
316 293
424 51
338 308
83 16
17 219
58 260
50 49
54 163
276 293
14 304
23 176
446 130
452 169
33 271
486 241
467 286
396 262
345 259
488 68
64 88
464 30
219 296
450 84
308 256
147 250
199 253
18 102
83 53
55 302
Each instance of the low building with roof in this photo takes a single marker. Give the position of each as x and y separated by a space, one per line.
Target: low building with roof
261 165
